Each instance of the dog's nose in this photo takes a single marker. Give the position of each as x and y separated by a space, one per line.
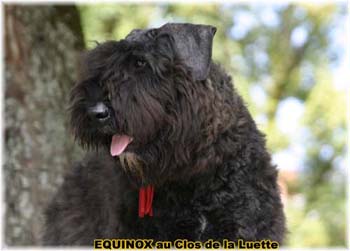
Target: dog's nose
99 112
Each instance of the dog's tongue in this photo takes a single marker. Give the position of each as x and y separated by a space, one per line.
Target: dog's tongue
119 143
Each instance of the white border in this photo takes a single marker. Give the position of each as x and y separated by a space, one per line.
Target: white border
166 1
2 137
2 84
347 79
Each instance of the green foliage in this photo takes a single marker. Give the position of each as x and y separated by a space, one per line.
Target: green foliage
270 55
324 187
305 229
112 22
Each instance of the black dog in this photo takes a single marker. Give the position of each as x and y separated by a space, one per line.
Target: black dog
176 154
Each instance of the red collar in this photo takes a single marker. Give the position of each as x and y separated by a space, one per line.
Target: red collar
145 201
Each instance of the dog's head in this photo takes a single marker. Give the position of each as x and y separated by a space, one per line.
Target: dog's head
140 96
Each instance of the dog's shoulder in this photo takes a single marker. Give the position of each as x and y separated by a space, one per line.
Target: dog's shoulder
94 177
96 172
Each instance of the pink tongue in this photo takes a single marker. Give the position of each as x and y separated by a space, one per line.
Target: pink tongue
119 143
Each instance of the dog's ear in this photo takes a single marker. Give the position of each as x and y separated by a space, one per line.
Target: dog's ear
193 45
165 44
139 35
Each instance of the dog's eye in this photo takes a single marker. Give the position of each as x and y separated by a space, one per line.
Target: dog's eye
140 63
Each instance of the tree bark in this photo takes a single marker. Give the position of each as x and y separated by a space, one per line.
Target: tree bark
42 44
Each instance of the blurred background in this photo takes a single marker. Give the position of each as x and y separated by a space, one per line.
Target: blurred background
288 62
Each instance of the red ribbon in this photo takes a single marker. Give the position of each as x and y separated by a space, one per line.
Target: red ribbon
145 201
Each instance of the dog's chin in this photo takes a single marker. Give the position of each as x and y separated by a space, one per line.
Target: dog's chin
131 162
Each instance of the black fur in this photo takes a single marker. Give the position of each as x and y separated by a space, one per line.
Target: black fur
194 140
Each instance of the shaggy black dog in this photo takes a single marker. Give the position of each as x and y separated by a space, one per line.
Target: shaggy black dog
174 153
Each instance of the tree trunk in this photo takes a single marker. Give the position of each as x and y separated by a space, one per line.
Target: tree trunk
42 44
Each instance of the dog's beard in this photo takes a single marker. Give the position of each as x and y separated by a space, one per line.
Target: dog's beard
131 162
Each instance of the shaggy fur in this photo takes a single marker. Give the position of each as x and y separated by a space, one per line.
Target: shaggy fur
194 140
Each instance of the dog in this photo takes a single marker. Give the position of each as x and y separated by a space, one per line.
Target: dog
173 152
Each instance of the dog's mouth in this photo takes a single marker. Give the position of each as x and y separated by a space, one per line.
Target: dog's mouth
119 144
